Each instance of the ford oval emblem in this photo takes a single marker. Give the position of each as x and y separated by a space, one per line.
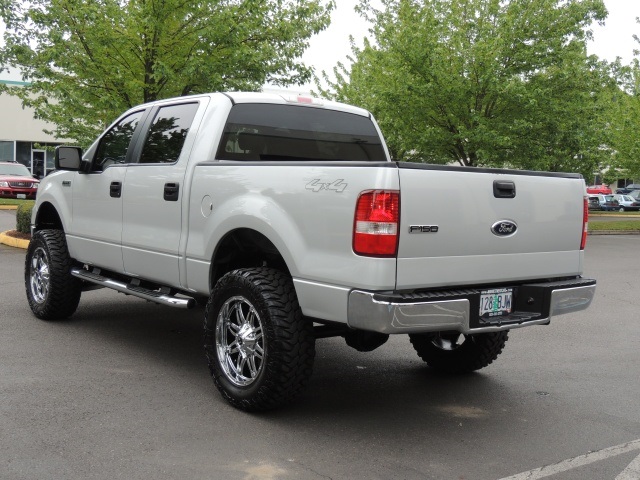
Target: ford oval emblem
504 228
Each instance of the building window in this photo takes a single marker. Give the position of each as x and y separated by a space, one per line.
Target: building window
23 153
50 159
6 151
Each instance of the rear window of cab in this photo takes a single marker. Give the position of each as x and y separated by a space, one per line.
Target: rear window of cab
268 132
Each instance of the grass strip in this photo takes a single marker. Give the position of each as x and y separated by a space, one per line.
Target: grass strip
620 225
12 201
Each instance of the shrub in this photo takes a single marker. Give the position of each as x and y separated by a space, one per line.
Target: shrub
23 217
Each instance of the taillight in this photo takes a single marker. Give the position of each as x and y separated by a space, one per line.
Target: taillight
375 230
585 223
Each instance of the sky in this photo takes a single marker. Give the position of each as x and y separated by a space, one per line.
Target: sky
612 40
332 45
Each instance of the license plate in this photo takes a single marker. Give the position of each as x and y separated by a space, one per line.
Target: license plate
496 302
21 195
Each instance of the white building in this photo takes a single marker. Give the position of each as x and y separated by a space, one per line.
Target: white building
22 137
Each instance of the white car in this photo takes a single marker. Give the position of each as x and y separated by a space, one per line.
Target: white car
627 202
597 201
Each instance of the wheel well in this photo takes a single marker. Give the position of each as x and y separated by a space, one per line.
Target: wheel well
48 218
244 248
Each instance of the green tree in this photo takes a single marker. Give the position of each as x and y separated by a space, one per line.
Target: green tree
481 82
87 61
624 117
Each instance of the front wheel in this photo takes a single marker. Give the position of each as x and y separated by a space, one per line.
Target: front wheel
454 352
259 348
52 292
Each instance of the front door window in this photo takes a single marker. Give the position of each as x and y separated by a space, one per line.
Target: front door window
115 143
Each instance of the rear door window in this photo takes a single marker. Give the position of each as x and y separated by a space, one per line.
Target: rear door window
267 132
167 133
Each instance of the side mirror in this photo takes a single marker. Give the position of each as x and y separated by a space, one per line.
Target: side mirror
68 158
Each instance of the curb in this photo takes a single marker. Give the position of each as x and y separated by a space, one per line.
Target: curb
615 232
8 207
13 242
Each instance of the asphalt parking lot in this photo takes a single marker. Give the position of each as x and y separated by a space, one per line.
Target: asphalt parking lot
121 390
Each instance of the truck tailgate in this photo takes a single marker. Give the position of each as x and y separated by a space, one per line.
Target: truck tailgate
456 229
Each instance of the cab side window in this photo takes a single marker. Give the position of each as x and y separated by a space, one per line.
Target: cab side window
167 133
115 143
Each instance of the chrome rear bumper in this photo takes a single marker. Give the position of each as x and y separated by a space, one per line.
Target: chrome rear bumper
457 310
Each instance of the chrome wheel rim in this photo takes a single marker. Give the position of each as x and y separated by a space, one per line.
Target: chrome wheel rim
240 341
448 341
39 276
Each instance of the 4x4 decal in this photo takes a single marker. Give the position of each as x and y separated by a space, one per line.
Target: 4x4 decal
337 185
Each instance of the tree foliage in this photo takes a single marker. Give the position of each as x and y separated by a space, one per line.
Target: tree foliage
624 117
88 60
481 82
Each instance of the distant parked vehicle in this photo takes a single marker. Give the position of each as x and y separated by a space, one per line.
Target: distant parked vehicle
594 202
605 202
603 189
16 181
628 189
610 203
627 202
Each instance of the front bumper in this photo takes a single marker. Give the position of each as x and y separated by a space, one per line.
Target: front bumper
458 310
18 193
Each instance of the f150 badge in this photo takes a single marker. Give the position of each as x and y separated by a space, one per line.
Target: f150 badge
423 228
337 185
504 228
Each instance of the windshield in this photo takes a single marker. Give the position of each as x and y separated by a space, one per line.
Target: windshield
18 170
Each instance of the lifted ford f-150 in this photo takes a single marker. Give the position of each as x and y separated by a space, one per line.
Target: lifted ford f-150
287 216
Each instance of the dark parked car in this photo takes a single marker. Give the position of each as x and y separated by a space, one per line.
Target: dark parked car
629 188
610 203
16 181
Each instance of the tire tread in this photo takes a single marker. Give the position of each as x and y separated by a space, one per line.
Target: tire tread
64 289
477 351
292 350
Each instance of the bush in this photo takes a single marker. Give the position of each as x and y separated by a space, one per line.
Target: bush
23 217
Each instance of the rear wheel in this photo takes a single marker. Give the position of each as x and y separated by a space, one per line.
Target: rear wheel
259 348
457 353
52 292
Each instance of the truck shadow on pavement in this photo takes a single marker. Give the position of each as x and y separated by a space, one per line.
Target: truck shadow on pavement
391 380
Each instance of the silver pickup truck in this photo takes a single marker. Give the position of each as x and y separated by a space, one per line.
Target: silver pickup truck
287 217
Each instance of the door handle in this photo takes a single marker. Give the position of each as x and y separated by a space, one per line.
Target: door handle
115 189
171 192
504 189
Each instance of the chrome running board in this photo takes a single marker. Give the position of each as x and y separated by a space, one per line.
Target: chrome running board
132 289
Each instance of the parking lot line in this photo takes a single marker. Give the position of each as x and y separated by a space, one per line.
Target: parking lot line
630 473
